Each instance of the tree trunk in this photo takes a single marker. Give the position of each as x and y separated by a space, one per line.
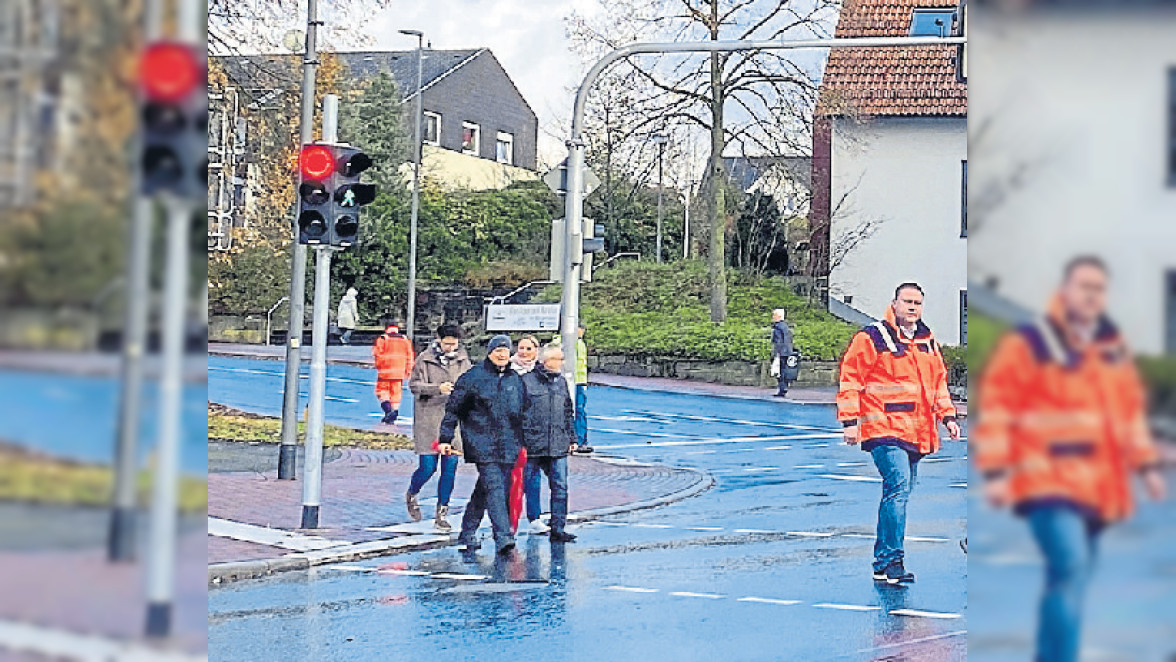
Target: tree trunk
717 208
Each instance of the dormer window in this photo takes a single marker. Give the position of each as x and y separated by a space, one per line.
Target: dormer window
932 22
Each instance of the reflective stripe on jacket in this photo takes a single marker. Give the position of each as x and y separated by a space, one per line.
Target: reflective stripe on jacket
1067 424
894 387
394 356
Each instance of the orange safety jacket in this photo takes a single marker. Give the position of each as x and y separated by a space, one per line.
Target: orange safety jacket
394 356
1065 422
894 388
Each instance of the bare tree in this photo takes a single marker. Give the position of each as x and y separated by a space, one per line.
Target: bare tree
270 26
762 100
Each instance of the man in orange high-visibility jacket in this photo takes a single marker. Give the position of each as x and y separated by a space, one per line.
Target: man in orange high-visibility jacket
394 357
893 395
1061 428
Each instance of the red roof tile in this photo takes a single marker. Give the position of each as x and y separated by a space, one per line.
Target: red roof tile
902 81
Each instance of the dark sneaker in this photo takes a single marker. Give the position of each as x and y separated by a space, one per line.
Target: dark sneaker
389 419
414 509
562 536
506 548
896 574
880 575
584 449
781 395
468 544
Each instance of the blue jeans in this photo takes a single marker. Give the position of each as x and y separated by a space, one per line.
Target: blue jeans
428 465
898 469
556 469
1069 543
581 422
489 495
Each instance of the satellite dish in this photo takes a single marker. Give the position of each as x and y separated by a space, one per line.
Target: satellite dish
294 40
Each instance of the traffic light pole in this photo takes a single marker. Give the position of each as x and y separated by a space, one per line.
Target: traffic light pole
574 200
313 464
288 451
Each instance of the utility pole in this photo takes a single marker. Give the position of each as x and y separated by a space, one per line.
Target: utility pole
313 467
660 141
288 451
416 184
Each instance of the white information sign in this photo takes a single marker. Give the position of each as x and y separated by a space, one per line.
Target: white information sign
526 317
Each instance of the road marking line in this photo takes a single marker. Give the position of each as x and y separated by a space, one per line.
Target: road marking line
825 445
703 528
613 523
861 479
63 644
626 419
700 452
743 450
223 528
963 485
939 459
768 601
350 568
654 526
688 594
810 534
712 419
753 531
864 536
851 464
407 573
809 466
338 399
925 539
832 605
779 448
923 614
900 644
453 575
761 469
630 589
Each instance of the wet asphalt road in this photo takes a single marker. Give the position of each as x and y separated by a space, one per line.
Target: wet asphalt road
773 563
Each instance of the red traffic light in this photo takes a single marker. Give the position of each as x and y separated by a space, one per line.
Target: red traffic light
169 71
316 162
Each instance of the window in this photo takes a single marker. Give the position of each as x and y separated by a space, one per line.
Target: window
504 148
432 128
470 138
963 317
964 200
1172 127
932 22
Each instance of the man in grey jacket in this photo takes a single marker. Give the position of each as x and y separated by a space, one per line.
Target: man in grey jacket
781 349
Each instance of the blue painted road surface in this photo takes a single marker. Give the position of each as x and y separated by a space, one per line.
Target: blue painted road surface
773 563
76 417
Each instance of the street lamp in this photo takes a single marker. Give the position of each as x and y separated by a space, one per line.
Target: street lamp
416 183
660 140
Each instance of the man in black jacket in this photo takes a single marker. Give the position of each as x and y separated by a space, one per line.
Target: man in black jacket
549 434
487 401
781 349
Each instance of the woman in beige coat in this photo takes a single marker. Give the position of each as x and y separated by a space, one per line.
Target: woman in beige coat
436 370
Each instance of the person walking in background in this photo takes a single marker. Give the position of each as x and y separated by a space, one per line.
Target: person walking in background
348 317
782 351
1062 429
432 381
549 435
487 402
394 358
893 394
581 390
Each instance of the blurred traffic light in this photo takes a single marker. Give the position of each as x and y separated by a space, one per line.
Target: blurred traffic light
173 110
349 194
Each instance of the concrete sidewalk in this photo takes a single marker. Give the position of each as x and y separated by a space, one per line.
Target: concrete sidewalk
254 518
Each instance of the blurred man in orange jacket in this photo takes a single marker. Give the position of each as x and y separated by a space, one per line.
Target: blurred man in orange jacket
394 357
1062 426
893 395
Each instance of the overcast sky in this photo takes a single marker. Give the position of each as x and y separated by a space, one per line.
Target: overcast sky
527 36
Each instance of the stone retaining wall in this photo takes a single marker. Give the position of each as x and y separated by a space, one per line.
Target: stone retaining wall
736 373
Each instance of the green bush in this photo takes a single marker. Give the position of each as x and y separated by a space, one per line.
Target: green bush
646 309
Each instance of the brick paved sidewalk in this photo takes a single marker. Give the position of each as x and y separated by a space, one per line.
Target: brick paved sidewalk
364 489
74 597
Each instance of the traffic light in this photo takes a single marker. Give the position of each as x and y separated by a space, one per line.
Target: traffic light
348 194
173 111
593 243
316 164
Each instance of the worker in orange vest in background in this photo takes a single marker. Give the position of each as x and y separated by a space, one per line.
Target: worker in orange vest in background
394 357
1062 427
892 397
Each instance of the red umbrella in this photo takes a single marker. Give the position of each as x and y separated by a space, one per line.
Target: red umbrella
516 490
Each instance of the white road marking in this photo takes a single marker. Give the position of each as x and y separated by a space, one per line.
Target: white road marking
752 469
863 536
923 614
626 419
703 528
809 466
909 642
778 448
743 450
63 644
613 523
939 459
653 526
768 601
688 594
811 534
700 452
338 399
828 436
924 539
832 605
753 531
861 479
630 589
223 528
454 575
350 568
851 464
963 485
706 442
713 419
407 573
